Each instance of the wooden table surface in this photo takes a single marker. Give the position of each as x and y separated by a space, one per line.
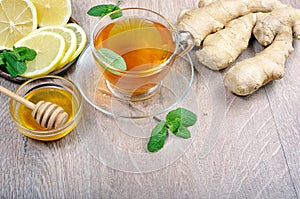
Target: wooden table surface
241 147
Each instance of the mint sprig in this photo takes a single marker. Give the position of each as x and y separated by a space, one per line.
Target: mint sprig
104 9
14 61
111 58
177 121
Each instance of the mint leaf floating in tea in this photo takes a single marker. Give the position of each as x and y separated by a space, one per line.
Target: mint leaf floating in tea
111 59
14 61
158 137
177 121
104 9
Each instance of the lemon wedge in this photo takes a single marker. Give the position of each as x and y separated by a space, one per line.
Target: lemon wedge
81 38
50 48
70 40
53 13
18 18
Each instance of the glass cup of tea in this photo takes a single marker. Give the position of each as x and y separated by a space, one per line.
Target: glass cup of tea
134 48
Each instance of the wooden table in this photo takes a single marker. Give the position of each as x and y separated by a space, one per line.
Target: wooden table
242 147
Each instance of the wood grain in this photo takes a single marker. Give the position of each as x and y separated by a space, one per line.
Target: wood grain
243 147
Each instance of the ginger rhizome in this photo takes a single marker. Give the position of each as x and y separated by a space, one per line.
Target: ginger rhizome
250 74
269 25
223 47
203 21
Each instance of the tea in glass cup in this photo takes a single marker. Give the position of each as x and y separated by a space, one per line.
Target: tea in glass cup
135 52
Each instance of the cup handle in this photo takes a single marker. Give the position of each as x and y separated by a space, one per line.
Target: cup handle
186 41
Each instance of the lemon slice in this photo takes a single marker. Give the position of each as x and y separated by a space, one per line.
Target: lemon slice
53 13
81 38
50 48
17 19
70 39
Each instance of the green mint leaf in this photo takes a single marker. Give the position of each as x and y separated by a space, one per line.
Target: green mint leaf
2 60
13 66
10 58
158 137
116 14
20 67
24 53
112 59
101 10
187 118
16 55
104 9
11 70
173 125
182 132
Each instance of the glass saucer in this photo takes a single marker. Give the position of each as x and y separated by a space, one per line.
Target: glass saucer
121 143
92 86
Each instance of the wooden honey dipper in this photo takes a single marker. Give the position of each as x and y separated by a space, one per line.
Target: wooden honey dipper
47 114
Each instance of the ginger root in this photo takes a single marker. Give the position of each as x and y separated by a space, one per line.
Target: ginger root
274 27
203 21
269 25
249 75
223 47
